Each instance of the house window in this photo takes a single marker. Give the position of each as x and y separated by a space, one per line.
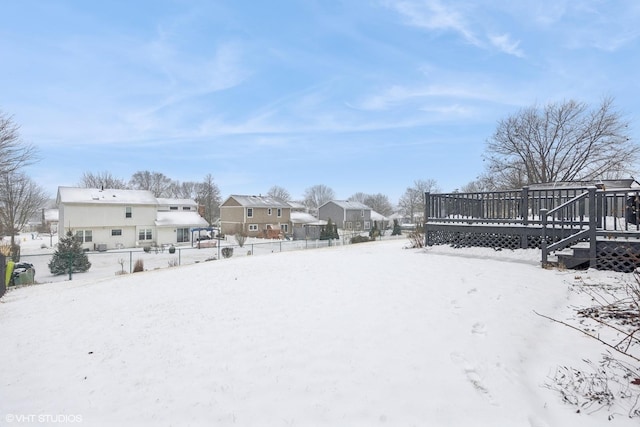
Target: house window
358 225
279 212
249 212
253 227
127 212
173 208
117 232
269 211
367 225
145 234
284 227
362 213
349 225
186 208
182 235
84 236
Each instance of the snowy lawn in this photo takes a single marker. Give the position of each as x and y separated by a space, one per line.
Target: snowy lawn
360 335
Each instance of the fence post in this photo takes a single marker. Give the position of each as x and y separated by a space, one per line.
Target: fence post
593 222
426 218
543 238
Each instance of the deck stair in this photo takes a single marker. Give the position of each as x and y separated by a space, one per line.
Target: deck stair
574 257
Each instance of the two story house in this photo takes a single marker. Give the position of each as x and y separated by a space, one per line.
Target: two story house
348 216
257 216
111 218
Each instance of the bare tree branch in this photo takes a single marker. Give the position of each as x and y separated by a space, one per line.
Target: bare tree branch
560 142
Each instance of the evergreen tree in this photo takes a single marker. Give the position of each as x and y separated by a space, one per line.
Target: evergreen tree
69 250
396 228
329 231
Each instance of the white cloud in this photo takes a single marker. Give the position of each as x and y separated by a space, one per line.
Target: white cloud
507 45
435 16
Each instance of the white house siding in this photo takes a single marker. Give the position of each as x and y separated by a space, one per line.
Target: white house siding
102 211
101 219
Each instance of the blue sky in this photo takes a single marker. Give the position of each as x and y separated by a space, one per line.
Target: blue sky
359 95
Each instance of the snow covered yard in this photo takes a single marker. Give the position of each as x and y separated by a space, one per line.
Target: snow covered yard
358 335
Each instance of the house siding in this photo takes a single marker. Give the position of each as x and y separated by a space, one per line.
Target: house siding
355 218
333 212
101 215
234 216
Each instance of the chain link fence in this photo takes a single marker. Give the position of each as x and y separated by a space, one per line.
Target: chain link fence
114 262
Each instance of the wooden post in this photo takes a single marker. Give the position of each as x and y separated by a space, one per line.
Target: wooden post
543 238
426 218
524 205
593 222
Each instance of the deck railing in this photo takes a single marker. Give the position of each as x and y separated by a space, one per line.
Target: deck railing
557 216
572 216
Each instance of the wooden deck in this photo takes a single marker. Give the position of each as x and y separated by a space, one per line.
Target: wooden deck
559 220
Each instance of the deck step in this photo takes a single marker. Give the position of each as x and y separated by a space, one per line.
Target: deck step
575 257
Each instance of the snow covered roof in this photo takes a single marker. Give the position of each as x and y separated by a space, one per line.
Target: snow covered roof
297 206
306 218
259 201
174 202
180 218
347 205
375 216
106 196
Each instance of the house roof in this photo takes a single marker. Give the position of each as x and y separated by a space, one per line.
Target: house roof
375 216
258 201
180 202
106 196
299 206
306 218
180 218
348 205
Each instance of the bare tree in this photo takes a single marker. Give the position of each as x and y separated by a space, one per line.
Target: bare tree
560 142
14 153
318 195
155 182
208 196
279 193
101 180
183 190
411 203
20 199
379 203
358 197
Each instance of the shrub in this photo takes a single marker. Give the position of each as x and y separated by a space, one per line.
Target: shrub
172 249
360 239
227 252
241 237
147 249
138 266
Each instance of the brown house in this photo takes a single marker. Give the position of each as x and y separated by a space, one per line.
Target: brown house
258 216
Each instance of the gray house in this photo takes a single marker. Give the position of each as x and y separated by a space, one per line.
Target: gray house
348 216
